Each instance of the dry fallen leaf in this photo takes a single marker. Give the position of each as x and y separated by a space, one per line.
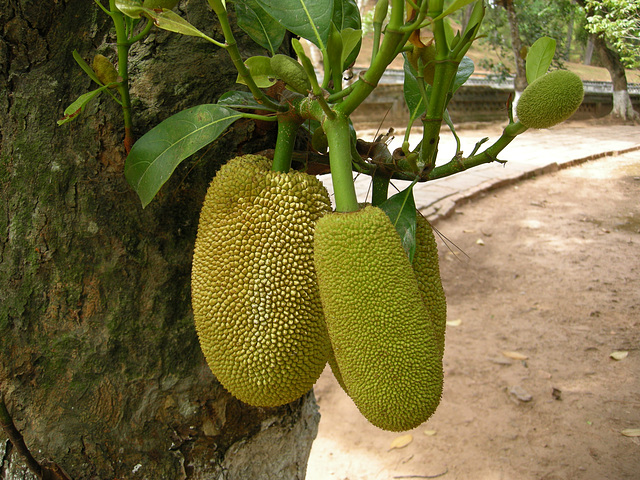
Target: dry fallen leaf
430 433
454 323
621 355
401 441
631 432
514 355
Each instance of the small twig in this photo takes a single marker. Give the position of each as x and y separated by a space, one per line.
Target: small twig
423 476
15 437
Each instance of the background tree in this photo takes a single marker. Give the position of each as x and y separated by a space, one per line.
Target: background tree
615 25
514 25
100 367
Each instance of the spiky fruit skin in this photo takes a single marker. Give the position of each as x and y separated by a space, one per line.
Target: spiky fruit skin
427 270
385 345
255 298
550 99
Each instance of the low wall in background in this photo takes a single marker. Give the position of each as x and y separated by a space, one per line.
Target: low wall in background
479 100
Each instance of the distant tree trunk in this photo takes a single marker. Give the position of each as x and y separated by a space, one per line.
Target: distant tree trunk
622 106
100 366
520 82
588 52
567 52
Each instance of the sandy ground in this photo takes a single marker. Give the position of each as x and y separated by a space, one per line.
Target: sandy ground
548 287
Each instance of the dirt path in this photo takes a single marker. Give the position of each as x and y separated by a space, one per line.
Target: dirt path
553 275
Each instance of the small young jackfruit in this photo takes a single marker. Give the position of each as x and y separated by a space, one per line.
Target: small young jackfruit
255 298
385 341
550 99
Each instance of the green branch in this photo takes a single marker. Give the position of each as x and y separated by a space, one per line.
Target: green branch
489 155
288 126
339 140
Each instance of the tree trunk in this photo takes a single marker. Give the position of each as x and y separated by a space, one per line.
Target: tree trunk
100 365
588 52
520 81
622 106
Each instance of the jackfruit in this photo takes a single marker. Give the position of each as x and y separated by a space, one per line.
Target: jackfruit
255 298
386 342
427 270
550 99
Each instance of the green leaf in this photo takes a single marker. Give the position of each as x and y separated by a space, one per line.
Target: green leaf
412 96
77 107
171 21
346 15
346 18
86 68
401 210
454 7
260 26
154 157
235 99
260 69
540 57
131 8
351 42
310 19
465 70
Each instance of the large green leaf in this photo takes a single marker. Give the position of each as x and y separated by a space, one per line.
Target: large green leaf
346 18
539 58
154 157
346 15
260 26
310 19
401 210
412 96
465 70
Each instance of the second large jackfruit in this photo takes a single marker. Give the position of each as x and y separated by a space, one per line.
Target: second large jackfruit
387 343
255 298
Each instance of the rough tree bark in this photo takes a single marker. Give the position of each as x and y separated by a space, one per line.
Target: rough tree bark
100 366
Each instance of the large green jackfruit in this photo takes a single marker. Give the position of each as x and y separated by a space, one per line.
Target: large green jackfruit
387 344
427 270
255 298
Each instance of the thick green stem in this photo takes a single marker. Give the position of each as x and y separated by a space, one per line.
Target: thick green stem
339 140
445 69
393 38
287 129
123 45
445 73
489 155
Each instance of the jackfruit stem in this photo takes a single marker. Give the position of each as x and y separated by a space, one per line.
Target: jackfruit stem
339 140
287 129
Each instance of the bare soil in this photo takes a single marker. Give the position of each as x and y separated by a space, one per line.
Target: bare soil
548 287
